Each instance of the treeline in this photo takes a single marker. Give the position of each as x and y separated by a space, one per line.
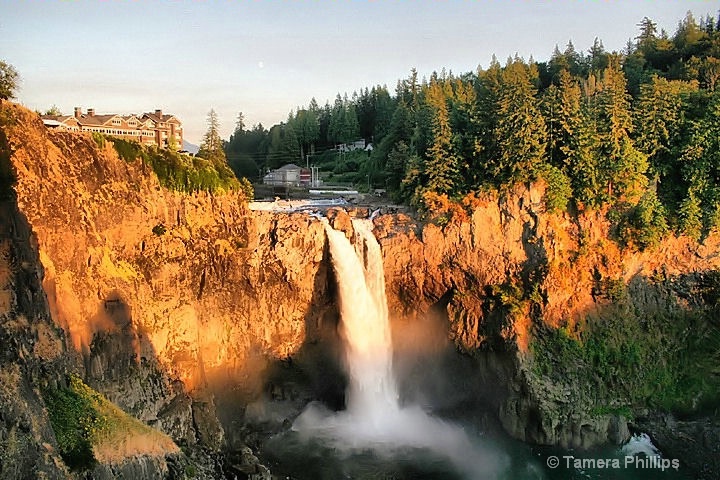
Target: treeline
635 131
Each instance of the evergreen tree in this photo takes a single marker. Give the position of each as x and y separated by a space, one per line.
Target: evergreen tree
646 40
410 188
366 113
54 110
487 89
337 127
575 60
399 132
211 147
283 146
623 166
466 127
569 121
344 126
239 123
397 160
558 63
598 59
441 163
384 108
352 126
520 131
659 119
306 127
701 170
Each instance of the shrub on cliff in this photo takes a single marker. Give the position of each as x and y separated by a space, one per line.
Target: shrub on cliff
89 428
644 225
661 360
177 171
558 191
74 421
247 189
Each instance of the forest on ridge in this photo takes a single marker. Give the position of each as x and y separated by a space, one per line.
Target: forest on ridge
636 132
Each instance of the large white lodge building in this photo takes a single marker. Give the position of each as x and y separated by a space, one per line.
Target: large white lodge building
148 128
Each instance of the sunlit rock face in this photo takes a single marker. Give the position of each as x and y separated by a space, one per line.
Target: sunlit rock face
467 273
156 313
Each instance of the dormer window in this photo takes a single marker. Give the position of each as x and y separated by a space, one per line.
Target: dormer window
116 121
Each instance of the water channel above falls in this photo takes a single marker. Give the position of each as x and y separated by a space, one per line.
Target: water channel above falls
376 437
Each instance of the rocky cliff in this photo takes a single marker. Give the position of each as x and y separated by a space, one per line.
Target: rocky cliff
510 279
197 316
157 298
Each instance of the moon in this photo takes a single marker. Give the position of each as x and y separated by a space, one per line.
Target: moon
261 64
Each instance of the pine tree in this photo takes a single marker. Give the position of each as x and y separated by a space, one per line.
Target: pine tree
659 120
344 126
521 129
701 169
306 127
239 123
466 127
623 166
211 147
399 131
397 160
648 35
284 147
441 162
337 127
384 108
487 92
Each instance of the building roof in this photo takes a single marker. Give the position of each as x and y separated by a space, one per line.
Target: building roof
56 118
289 166
95 119
159 118
59 118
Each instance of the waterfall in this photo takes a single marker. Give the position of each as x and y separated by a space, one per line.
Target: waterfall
366 330
374 418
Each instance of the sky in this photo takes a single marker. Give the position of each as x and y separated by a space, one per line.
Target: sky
267 57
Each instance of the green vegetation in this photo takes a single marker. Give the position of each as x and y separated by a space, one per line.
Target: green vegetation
663 360
99 139
8 81
76 421
181 172
89 428
159 230
211 147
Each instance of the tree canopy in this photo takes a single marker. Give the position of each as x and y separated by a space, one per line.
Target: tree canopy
633 132
9 79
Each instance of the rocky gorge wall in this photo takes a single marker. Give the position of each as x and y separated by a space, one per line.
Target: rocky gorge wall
192 313
159 299
509 272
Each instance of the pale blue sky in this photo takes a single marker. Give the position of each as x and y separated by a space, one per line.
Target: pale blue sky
266 57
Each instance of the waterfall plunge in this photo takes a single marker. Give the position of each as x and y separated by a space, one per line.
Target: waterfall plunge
372 392
374 419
